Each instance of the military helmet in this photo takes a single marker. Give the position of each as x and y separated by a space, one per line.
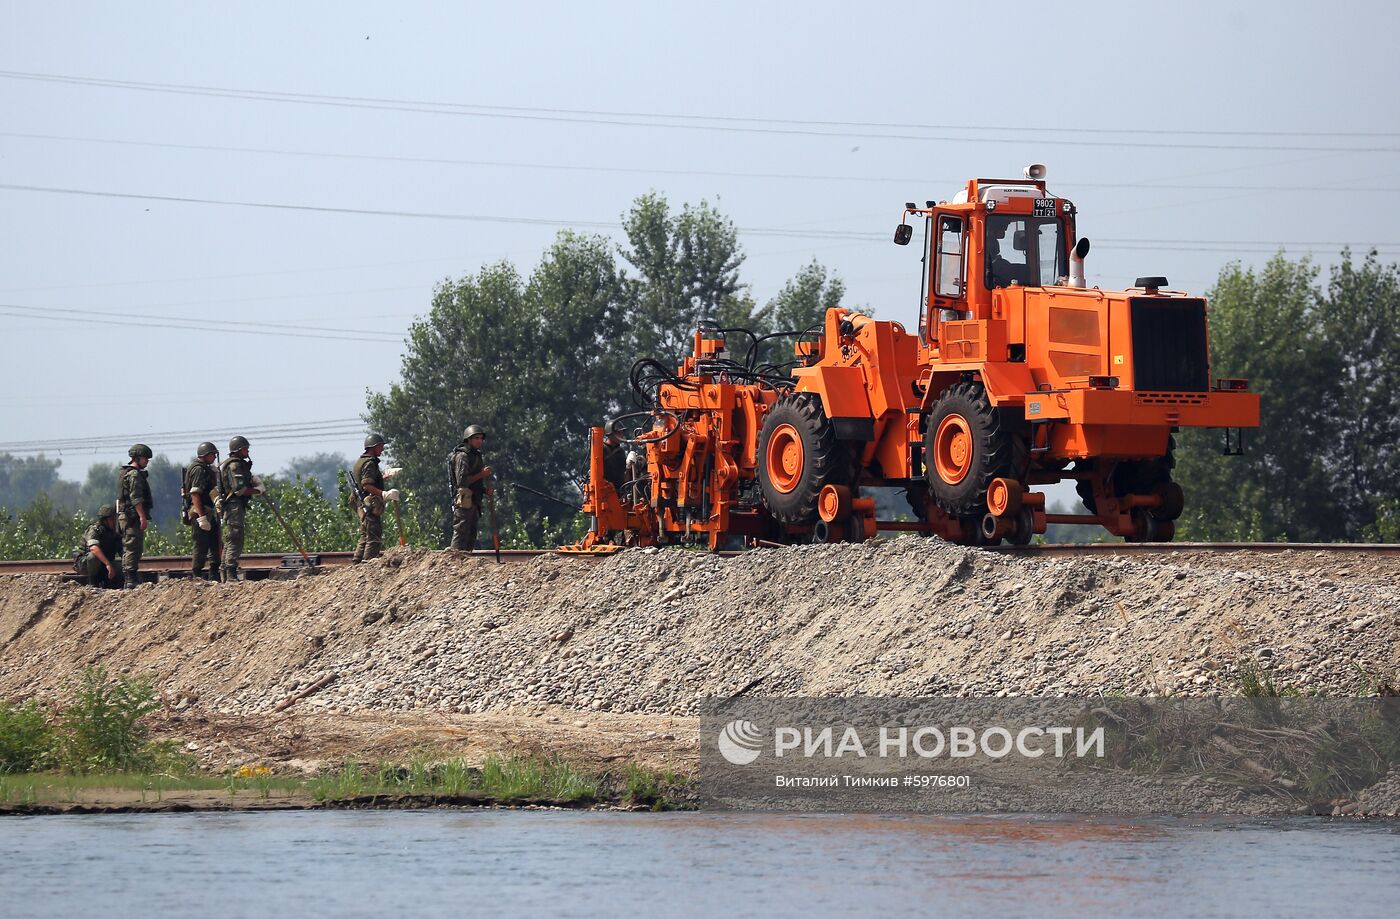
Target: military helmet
374 440
472 431
139 450
237 443
106 511
205 449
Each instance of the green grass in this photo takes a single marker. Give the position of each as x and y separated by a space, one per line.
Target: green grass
499 779
503 779
68 788
652 789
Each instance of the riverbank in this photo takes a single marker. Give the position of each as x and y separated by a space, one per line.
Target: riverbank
424 782
422 655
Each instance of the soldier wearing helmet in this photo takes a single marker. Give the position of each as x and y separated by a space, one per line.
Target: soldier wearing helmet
99 563
203 506
238 484
134 504
370 479
469 476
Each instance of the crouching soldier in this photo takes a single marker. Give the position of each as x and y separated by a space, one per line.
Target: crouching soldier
370 479
203 507
134 506
100 564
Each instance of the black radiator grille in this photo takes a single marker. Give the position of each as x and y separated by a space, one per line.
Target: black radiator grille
1169 346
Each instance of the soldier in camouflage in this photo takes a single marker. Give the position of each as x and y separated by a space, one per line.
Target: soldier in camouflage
134 506
239 485
468 475
203 507
370 479
99 564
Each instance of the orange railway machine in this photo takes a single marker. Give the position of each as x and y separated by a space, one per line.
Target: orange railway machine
1019 376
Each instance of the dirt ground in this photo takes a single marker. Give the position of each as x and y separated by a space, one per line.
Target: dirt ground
306 742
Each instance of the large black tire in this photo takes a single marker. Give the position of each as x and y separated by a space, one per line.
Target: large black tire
982 449
803 433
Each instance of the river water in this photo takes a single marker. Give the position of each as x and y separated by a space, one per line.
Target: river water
532 863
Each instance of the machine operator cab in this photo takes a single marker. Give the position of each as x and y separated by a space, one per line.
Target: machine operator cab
996 233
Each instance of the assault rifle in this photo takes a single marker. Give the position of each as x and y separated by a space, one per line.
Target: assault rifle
357 492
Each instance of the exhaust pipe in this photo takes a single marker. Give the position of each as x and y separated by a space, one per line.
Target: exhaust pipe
1076 263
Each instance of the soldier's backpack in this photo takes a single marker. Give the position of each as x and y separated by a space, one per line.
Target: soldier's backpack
185 500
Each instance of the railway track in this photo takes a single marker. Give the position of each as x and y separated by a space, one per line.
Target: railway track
277 565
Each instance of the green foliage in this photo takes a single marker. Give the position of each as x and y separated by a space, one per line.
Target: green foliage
40 531
322 524
26 739
1326 362
101 727
23 478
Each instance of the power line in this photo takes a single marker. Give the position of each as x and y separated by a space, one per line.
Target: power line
204 323
95 317
593 224
281 433
648 170
689 122
279 427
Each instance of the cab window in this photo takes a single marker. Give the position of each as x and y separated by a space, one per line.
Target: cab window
1024 250
950 257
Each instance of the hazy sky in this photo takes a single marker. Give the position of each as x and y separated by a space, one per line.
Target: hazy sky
1188 134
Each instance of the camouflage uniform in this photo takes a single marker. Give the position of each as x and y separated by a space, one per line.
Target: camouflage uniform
90 566
132 491
366 472
201 478
235 474
466 461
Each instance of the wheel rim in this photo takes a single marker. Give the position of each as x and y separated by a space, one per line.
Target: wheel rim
784 458
952 449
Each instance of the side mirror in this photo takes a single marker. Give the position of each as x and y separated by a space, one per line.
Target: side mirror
902 234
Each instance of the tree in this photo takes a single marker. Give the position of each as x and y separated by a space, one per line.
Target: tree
24 477
799 306
325 468
1324 363
1361 324
99 488
687 268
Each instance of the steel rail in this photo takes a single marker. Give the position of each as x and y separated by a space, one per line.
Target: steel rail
265 563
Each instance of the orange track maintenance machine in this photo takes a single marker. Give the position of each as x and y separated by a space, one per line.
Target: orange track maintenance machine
1019 376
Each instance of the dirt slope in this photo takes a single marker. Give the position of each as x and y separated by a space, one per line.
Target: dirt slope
649 632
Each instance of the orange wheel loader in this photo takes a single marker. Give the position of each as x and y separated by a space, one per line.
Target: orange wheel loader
1018 376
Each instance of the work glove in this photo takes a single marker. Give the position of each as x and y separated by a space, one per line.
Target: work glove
258 487
204 523
391 495
392 471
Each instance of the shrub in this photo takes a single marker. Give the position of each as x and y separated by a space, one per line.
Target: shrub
101 727
26 739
